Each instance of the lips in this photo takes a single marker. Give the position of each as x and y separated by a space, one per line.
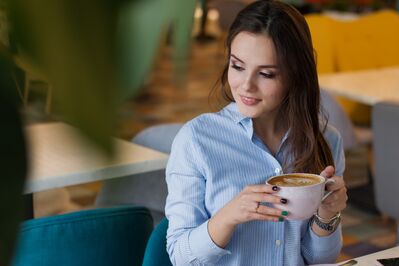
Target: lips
249 100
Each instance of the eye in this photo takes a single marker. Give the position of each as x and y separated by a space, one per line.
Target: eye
236 67
267 75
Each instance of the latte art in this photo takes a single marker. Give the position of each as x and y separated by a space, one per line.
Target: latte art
299 181
294 181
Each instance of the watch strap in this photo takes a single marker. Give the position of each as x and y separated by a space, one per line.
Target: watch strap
329 225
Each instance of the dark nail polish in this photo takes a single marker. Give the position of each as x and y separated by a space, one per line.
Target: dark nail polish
283 201
275 188
280 219
284 213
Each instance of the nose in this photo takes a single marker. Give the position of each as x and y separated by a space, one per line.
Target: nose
248 83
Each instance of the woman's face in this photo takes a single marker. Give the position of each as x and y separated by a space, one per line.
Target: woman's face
254 76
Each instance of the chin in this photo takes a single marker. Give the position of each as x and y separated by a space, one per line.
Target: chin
248 112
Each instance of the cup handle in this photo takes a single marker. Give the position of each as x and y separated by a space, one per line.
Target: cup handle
326 194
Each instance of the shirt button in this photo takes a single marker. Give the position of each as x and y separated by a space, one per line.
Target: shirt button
277 171
278 242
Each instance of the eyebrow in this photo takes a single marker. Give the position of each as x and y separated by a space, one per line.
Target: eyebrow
262 66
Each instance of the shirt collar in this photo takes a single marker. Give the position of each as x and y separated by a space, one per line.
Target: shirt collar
238 118
246 122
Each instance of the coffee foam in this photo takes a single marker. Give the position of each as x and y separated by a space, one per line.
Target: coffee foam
299 181
294 181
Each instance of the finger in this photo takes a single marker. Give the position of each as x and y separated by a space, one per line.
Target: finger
338 195
261 197
335 207
328 172
338 183
331 198
265 188
274 199
263 217
271 211
249 206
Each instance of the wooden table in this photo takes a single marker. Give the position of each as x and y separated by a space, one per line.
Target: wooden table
59 158
366 86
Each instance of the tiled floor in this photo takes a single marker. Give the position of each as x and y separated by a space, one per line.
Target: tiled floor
162 101
365 232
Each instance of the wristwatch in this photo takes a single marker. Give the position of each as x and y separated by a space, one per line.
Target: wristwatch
329 225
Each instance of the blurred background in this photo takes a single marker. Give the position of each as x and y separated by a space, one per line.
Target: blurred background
162 97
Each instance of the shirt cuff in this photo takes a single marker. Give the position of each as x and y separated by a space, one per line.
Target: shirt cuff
202 245
326 243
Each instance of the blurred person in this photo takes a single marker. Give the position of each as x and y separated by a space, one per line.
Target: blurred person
219 207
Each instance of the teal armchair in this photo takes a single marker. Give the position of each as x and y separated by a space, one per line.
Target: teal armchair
155 252
100 237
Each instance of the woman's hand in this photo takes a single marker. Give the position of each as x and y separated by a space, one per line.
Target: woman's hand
336 201
246 206
243 208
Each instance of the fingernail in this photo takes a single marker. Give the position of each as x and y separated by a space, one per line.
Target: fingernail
275 188
283 201
280 219
284 213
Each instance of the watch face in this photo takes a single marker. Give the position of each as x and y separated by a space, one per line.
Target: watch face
331 226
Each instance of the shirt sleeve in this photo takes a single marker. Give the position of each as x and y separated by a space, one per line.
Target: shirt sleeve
188 240
325 249
337 149
321 249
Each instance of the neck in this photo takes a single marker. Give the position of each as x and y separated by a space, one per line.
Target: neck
271 130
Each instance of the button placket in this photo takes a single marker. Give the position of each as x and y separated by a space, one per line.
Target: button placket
278 171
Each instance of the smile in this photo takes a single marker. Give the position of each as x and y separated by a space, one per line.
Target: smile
249 101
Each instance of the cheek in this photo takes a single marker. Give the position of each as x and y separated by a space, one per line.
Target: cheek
273 94
273 89
233 80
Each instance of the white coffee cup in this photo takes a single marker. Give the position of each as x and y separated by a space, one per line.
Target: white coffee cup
303 197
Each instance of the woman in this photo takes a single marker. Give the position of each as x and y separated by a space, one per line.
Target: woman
220 161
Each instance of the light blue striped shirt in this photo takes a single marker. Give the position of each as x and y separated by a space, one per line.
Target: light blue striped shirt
214 156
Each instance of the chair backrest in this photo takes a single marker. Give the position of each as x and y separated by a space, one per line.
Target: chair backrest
101 237
155 252
368 42
159 137
347 45
148 189
338 119
385 125
322 38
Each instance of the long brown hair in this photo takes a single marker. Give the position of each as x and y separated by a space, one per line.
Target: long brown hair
307 149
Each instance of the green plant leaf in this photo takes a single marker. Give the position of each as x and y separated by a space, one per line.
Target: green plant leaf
97 53
141 26
72 43
183 22
93 54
